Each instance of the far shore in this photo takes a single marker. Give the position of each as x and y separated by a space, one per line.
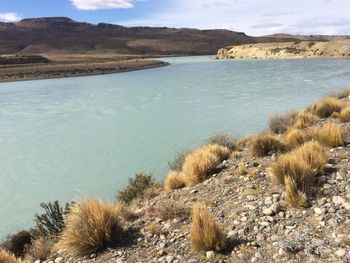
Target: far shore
61 68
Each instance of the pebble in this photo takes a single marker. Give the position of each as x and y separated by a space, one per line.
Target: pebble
346 206
169 259
58 260
194 191
337 200
210 254
340 252
318 211
258 255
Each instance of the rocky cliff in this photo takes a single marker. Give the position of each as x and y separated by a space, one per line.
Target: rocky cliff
299 49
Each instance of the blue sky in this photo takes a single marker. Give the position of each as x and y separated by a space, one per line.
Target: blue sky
255 17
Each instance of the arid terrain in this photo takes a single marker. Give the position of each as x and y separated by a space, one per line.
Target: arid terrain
299 49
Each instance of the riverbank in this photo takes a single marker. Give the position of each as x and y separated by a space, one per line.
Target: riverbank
287 50
66 66
255 213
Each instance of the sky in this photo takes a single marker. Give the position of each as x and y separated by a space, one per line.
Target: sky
254 17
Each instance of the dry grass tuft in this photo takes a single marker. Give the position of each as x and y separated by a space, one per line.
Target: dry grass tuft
297 171
127 212
344 115
280 123
331 135
241 170
222 139
325 107
201 162
90 226
314 155
41 249
294 138
343 94
174 180
294 197
7 257
304 119
266 144
206 234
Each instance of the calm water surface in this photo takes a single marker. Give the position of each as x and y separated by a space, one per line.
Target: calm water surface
76 137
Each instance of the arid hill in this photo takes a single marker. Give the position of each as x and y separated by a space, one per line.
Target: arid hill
64 35
299 49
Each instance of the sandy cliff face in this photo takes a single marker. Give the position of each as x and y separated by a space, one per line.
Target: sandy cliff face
304 49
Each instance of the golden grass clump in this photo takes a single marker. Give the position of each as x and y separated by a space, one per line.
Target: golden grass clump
202 161
40 249
265 144
314 155
331 135
90 226
304 119
343 94
206 234
344 115
7 257
241 170
174 180
294 138
297 170
294 197
325 107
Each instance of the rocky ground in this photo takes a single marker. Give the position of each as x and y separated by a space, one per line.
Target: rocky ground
250 206
298 49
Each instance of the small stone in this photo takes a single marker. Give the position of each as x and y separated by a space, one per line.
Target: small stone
194 191
167 225
37 261
210 254
268 212
258 255
58 260
318 211
337 200
169 259
340 252
346 206
93 255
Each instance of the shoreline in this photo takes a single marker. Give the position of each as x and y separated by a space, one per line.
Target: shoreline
55 71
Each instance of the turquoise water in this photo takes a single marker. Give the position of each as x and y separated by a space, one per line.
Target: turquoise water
84 136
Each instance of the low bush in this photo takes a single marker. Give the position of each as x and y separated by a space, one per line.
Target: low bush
266 144
343 94
344 115
52 221
241 170
8 257
174 180
206 234
201 162
329 134
281 122
297 170
90 226
178 161
127 212
325 107
294 138
304 119
17 243
222 139
136 187
41 249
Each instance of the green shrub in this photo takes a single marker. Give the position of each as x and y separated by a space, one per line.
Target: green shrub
17 243
222 139
52 221
178 161
136 187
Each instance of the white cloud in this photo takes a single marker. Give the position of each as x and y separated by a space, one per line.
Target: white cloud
101 4
9 17
254 17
